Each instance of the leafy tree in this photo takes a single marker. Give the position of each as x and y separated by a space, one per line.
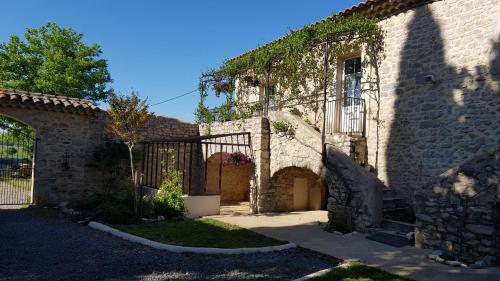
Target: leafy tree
128 116
54 60
11 150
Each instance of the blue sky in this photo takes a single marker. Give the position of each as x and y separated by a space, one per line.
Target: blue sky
159 48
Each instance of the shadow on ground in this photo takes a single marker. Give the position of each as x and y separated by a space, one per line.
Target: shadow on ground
37 244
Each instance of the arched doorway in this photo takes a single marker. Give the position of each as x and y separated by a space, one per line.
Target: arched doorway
298 189
230 181
17 154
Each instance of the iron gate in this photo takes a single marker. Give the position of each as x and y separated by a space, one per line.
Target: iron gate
17 153
189 157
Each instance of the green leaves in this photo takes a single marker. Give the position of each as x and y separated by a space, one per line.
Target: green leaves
128 116
54 60
296 62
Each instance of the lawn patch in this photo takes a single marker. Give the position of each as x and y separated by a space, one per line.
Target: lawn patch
203 232
358 272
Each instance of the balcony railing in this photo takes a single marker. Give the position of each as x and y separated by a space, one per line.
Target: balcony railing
345 115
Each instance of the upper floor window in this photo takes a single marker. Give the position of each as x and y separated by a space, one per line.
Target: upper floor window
352 78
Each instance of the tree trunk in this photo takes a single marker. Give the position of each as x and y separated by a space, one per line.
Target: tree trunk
130 148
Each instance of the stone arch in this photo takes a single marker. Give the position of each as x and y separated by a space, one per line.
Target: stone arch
297 189
67 130
235 180
17 156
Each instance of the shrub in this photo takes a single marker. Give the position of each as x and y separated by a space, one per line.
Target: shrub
116 207
169 201
114 212
284 127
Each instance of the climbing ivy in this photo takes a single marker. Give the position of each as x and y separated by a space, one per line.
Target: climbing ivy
294 62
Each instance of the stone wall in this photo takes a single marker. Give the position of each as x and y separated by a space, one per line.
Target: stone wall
66 142
235 180
284 197
162 127
429 125
458 212
258 127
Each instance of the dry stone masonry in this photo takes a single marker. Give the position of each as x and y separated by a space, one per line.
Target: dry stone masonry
459 211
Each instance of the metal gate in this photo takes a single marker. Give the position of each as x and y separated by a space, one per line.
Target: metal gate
17 154
189 157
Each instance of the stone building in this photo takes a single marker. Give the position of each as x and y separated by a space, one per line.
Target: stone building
437 109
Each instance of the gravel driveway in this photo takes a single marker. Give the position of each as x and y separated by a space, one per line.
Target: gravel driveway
35 244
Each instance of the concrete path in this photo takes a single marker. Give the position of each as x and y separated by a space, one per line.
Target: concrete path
302 228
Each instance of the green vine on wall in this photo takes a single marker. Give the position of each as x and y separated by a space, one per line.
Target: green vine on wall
294 62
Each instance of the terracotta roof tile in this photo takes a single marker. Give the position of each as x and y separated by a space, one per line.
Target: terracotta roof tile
49 102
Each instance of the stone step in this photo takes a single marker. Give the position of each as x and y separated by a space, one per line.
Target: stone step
388 192
398 226
389 238
394 204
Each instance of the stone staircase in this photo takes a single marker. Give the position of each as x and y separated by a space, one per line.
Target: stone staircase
397 226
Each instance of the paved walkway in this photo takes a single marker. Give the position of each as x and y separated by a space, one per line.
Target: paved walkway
303 229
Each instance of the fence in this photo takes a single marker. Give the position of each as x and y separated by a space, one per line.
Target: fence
188 157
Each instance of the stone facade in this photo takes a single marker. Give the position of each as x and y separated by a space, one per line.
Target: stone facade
284 182
439 81
440 93
65 144
459 212
279 160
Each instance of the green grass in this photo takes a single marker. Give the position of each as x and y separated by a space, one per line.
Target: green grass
358 272
203 232
24 183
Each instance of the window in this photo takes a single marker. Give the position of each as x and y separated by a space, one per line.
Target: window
352 79
270 92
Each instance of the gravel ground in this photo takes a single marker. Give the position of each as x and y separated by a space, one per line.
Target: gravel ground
36 244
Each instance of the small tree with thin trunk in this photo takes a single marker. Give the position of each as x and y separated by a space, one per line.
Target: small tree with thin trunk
128 116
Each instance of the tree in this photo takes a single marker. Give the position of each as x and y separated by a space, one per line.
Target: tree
54 60
128 116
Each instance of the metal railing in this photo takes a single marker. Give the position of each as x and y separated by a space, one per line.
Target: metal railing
347 115
344 115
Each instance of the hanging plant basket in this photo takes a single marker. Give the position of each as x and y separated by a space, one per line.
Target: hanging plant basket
221 87
236 159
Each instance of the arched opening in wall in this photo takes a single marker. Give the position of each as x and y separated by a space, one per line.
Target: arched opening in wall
231 181
298 189
17 154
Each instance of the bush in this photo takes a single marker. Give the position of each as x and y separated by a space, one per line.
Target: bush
116 207
169 201
114 212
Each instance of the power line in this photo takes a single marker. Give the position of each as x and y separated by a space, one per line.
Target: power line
174 98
